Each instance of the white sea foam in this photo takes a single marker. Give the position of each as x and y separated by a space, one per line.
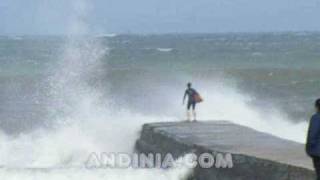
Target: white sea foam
83 122
164 49
109 35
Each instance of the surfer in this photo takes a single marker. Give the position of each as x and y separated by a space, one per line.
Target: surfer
313 139
193 99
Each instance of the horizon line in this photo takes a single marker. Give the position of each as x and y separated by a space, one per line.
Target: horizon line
160 34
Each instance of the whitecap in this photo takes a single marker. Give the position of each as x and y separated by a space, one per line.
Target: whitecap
164 49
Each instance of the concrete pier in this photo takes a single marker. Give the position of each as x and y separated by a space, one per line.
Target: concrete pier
255 155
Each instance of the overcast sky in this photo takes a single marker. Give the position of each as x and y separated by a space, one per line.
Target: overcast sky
157 16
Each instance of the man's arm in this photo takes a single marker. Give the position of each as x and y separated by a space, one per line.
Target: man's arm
184 97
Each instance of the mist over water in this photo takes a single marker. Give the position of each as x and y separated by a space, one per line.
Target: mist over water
79 121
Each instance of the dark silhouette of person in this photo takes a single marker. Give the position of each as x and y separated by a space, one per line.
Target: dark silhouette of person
313 139
192 101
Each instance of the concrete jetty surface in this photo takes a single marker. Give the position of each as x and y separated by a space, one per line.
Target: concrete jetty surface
255 155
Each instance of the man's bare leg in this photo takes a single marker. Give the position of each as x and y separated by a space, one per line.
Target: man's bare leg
188 115
194 115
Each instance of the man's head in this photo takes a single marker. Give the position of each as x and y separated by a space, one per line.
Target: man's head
317 105
189 85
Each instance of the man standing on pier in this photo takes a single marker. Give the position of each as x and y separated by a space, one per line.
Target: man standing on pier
193 99
313 139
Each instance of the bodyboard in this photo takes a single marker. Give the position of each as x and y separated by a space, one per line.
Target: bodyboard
198 98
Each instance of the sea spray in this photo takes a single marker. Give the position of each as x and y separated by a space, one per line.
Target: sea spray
81 121
224 101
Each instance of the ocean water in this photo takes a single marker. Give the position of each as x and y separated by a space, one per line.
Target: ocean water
62 98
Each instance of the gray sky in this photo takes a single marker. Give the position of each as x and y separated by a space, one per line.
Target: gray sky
157 16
